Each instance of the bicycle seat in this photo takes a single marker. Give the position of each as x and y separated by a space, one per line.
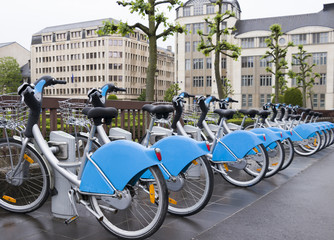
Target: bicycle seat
225 113
249 112
306 110
161 111
292 116
311 113
97 113
264 113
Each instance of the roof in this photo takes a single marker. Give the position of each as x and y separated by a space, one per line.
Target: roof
324 18
235 3
5 44
66 27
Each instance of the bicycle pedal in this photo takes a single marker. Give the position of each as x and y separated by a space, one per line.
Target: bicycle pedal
71 219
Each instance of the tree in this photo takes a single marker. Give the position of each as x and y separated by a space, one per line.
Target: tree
10 75
171 92
213 42
276 56
305 77
142 96
149 9
293 96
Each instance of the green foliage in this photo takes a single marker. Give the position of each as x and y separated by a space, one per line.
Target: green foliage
171 92
112 97
214 42
148 9
280 99
277 55
10 75
142 96
305 77
293 96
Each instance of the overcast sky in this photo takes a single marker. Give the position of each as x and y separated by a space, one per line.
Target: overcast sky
20 19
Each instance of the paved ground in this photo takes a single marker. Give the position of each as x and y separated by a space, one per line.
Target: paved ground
297 203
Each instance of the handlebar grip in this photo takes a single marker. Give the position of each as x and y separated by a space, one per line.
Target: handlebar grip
119 89
235 101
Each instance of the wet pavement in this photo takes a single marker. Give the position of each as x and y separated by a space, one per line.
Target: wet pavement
297 203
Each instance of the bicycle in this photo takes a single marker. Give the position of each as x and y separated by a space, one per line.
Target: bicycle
109 184
188 174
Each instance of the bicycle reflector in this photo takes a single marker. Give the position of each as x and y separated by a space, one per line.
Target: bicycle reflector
264 137
158 153
207 145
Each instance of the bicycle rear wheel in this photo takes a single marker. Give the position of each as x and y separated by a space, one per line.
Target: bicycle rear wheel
196 190
289 153
144 216
27 188
276 158
247 171
308 146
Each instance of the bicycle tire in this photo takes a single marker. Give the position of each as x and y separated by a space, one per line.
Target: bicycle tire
196 191
29 188
255 161
130 223
276 155
289 153
81 141
312 146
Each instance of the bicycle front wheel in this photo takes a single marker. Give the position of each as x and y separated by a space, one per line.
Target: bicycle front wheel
247 171
308 146
289 153
196 190
144 216
25 185
276 158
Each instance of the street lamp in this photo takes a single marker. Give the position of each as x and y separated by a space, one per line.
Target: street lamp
156 84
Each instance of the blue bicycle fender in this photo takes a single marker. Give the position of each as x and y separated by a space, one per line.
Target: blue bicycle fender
303 131
236 145
178 151
285 133
271 136
119 161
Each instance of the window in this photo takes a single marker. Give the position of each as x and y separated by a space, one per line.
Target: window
268 98
198 81
247 80
315 100
265 62
262 42
320 58
295 61
322 100
225 8
250 100
294 81
322 79
223 63
195 44
320 38
187 47
247 62
198 26
198 63
208 63
298 39
247 42
186 11
210 9
265 80
208 81
188 64
243 100
188 27
198 8
262 100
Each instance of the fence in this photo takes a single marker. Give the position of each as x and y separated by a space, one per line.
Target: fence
131 117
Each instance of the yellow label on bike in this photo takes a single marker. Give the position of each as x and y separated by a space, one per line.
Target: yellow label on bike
274 164
28 159
307 146
194 162
226 167
315 142
259 169
9 199
172 201
255 150
152 193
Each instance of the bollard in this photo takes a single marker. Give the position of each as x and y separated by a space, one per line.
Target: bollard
60 202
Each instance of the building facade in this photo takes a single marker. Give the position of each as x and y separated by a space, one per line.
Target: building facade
252 84
75 53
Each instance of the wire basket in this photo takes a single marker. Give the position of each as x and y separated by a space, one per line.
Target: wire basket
13 113
71 112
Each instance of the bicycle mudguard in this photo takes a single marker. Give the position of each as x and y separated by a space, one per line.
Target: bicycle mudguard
270 135
120 161
236 145
303 131
285 133
178 151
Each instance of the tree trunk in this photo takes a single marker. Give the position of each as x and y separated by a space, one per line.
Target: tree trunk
217 62
152 59
304 96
